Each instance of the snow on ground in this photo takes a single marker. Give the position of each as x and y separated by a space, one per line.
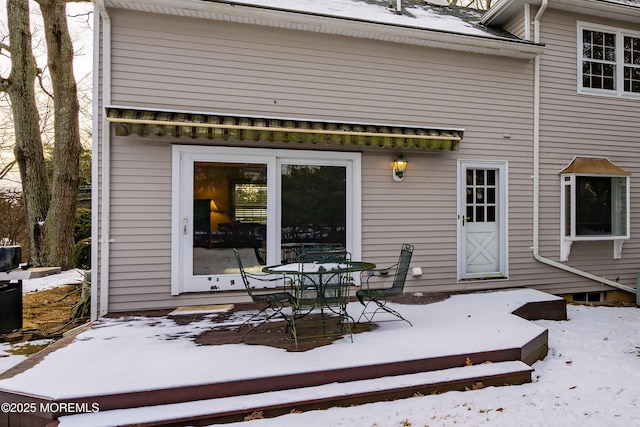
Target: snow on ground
590 378
69 277
9 360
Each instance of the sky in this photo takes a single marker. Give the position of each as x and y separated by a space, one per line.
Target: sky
80 26
590 377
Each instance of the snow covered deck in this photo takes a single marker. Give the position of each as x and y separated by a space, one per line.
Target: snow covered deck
136 362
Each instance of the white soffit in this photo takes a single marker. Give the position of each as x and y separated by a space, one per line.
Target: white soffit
334 25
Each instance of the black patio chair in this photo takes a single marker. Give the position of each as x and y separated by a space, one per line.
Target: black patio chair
324 291
324 252
379 296
274 301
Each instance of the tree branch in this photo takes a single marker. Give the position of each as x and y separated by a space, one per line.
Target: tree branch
7 168
4 84
44 89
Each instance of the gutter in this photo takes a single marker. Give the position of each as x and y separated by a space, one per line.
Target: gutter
536 175
105 213
94 167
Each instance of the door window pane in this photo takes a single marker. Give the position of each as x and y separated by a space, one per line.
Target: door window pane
481 194
313 207
470 216
491 213
491 195
230 211
491 177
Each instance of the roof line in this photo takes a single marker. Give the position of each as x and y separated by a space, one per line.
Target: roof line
367 21
227 11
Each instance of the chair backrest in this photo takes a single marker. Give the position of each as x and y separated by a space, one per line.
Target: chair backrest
245 279
324 252
326 256
403 268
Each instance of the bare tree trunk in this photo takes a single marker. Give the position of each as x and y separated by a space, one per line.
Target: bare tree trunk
28 144
66 153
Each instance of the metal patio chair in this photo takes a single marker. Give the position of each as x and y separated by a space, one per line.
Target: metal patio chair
274 301
328 292
378 296
323 253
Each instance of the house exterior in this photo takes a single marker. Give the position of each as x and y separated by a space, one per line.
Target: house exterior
262 125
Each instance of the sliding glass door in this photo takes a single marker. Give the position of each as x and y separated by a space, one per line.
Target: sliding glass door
265 203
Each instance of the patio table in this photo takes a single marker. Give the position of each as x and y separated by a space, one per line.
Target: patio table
319 267
320 274
321 284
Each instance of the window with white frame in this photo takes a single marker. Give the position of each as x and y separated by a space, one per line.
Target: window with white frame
594 203
608 61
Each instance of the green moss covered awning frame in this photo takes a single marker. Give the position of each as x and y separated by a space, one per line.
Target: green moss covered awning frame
265 129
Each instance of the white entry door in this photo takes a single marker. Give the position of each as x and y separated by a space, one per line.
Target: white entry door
482 225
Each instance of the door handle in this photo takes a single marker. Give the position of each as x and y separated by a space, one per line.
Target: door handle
465 219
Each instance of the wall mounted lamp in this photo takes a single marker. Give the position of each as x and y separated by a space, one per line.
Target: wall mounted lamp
399 168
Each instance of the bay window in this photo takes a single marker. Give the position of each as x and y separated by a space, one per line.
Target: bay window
594 203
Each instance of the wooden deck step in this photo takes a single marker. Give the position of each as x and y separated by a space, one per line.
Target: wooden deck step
271 404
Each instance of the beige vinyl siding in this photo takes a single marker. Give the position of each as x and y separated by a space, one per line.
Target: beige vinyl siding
517 25
180 63
203 65
571 125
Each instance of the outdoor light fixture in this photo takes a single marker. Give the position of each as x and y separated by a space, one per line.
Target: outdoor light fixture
399 168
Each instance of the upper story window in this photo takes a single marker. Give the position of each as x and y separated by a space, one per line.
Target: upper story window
609 61
594 204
